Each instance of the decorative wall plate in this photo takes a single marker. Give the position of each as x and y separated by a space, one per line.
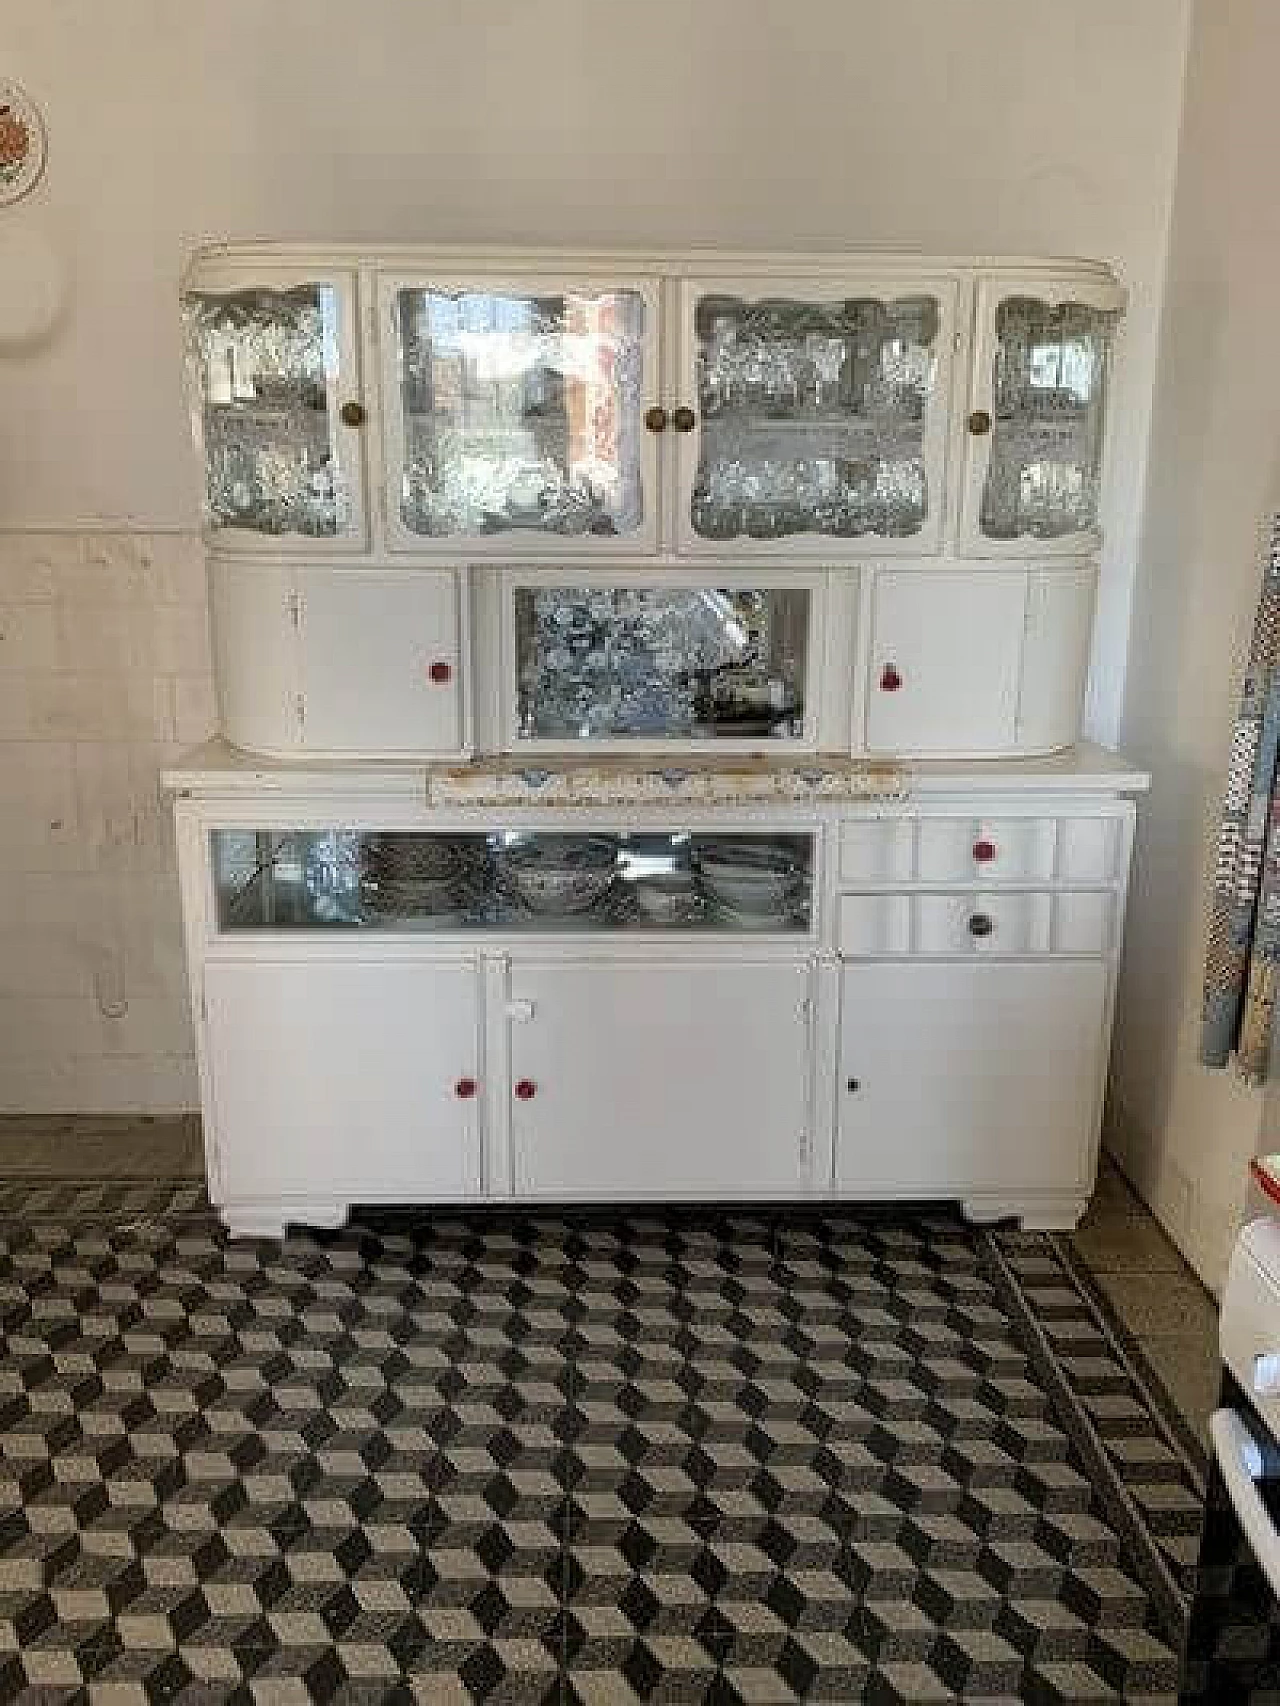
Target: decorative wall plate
22 142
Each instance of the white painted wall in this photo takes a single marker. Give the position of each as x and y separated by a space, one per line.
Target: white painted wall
1186 1134
997 125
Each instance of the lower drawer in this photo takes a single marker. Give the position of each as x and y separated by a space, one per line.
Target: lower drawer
999 923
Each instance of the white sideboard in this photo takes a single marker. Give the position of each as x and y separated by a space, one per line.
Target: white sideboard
933 1024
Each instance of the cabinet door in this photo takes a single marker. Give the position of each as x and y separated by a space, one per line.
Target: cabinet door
813 412
340 1079
945 661
255 653
1037 414
381 660
641 1080
277 411
516 415
962 1078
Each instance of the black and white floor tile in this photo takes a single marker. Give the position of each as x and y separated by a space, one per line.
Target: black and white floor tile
585 1460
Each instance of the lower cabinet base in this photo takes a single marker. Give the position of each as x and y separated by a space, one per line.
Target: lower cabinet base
272 1220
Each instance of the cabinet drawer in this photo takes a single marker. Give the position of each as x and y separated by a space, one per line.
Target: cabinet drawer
990 850
995 923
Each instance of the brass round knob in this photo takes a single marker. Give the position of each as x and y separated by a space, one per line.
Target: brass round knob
979 422
656 418
352 414
683 419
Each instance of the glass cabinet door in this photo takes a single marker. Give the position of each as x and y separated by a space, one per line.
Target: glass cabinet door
1036 423
660 664
519 414
814 418
277 412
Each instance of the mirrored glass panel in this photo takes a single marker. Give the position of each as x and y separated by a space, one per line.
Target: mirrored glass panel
265 366
521 413
661 662
1046 436
813 416
318 879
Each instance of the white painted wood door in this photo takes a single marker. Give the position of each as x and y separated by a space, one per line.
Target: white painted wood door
957 1079
640 1080
381 660
945 661
340 1079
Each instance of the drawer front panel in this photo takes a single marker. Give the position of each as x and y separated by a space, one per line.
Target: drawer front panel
993 924
993 851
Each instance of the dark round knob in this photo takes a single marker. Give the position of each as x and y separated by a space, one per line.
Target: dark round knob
980 925
984 851
352 414
683 419
526 1089
656 418
465 1088
979 422
890 678
854 1084
440 673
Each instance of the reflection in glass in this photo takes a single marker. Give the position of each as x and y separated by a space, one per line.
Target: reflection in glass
318 879
265 368
813 416
520 412
660 662
1046 443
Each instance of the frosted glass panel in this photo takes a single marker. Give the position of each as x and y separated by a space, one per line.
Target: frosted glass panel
813 416
1049 395
521 413
661 662
266 371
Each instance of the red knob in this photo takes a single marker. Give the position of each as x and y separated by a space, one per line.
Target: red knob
984 851
890 678
526 1089
440 673
465 1088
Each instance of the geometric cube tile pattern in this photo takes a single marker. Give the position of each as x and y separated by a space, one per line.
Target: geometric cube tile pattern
668 1458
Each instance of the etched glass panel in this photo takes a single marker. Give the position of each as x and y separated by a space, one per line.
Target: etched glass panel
677 663
813 416
512 880
1046 440
265 367
521 413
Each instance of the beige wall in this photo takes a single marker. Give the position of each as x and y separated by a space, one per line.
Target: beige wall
988 126
1215 465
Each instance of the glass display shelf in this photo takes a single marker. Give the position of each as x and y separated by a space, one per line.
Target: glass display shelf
660 662
265 365
1046 431
813 416
512 881
520 413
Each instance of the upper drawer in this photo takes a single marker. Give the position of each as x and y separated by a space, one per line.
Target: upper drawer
1072 850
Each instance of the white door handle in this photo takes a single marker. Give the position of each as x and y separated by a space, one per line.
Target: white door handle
1240 1460
520 1011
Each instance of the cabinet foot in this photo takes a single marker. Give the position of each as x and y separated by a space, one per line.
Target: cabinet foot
271 1220
1041 1214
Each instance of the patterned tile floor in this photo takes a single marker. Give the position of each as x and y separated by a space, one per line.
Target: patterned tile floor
671 1459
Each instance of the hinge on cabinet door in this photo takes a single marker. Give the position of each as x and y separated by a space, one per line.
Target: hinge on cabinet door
804 1008
293 604
204 1004
300 709
805 1154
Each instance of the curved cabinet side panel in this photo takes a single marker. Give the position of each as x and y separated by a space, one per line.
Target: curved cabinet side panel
1055 657
251 612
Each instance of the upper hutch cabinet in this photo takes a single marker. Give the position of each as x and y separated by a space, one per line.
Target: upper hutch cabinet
516 414
277 408
812 415
1036 414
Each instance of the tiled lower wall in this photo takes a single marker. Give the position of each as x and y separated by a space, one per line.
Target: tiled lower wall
104 677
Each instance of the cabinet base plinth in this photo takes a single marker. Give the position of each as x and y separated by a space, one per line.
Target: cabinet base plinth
1040 1214
272 1220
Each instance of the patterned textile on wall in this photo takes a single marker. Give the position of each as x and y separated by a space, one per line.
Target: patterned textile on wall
1243 958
